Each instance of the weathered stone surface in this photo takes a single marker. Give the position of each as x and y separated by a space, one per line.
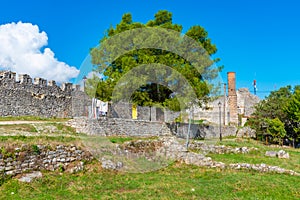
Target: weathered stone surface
127 127
108 164
23 97
263 168
271 153
283 154
246 101
77 168
29 177
201 131
42 161
246 132
205 148
117 126
172 148
279 154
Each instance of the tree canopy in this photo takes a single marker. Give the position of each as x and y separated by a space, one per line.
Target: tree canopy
164 89
278 115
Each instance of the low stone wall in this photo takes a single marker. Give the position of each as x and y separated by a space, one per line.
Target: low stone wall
116 126
18 160
219 149
201 131
127 127
124 110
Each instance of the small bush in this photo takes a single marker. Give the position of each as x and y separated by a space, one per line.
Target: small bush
35 149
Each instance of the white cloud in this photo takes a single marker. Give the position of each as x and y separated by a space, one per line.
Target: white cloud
21 51
92 73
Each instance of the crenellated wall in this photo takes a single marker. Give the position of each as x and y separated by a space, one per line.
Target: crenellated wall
37 97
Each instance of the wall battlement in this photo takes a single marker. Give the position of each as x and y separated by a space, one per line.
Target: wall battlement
9 77
37 97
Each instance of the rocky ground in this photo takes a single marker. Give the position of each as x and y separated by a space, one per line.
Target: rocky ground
169 149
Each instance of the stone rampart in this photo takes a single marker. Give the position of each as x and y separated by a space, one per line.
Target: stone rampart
39 98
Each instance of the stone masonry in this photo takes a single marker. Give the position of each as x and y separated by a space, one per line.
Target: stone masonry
26 97
232 98
41 157
105 126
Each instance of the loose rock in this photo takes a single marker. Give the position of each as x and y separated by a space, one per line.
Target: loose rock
29 177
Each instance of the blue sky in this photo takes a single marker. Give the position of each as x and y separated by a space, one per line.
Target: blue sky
257 39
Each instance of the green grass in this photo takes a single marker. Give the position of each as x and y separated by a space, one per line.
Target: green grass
258 157
119 140
18 127
122 139
38 133
56 128
174 182
201 121
31 118
20 139
177 181
232 142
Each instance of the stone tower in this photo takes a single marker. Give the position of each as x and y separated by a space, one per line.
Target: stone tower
232 98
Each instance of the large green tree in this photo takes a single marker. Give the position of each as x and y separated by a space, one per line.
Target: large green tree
276 129
281 109
292 110
152 92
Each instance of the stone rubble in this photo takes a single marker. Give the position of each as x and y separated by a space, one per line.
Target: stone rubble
271 153
263 168
108 164
30 176
280 154
41 157
70 158
283 154
221 149
172 148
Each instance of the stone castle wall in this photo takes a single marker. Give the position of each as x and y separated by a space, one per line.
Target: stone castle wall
39 98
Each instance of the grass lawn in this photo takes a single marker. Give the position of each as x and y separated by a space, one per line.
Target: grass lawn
17 127
258 157
31 118
177 181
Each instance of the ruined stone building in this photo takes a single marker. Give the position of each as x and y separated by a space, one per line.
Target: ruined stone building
38 97
236 103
